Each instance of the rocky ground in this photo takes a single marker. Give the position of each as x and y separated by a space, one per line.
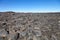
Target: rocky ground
29 26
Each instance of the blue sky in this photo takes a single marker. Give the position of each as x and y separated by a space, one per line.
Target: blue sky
30 5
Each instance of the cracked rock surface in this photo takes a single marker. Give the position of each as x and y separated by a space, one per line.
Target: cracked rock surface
29 26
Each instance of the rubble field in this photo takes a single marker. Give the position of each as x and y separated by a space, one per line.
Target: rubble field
29 26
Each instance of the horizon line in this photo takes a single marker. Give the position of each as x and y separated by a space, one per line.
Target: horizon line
33 12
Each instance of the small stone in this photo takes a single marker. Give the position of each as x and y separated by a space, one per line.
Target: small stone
54 37
59 21
37 33
3 33
23 33
34 38
4 23
13 14
36 28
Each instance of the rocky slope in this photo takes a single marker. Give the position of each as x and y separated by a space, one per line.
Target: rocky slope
29 26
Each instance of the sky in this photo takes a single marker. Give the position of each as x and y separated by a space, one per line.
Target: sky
30 5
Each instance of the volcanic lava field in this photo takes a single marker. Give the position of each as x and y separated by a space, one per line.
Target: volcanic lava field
29 26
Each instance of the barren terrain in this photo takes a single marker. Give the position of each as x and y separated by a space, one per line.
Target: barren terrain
29 26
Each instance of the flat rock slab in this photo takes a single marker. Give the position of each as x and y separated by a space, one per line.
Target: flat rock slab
29 26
